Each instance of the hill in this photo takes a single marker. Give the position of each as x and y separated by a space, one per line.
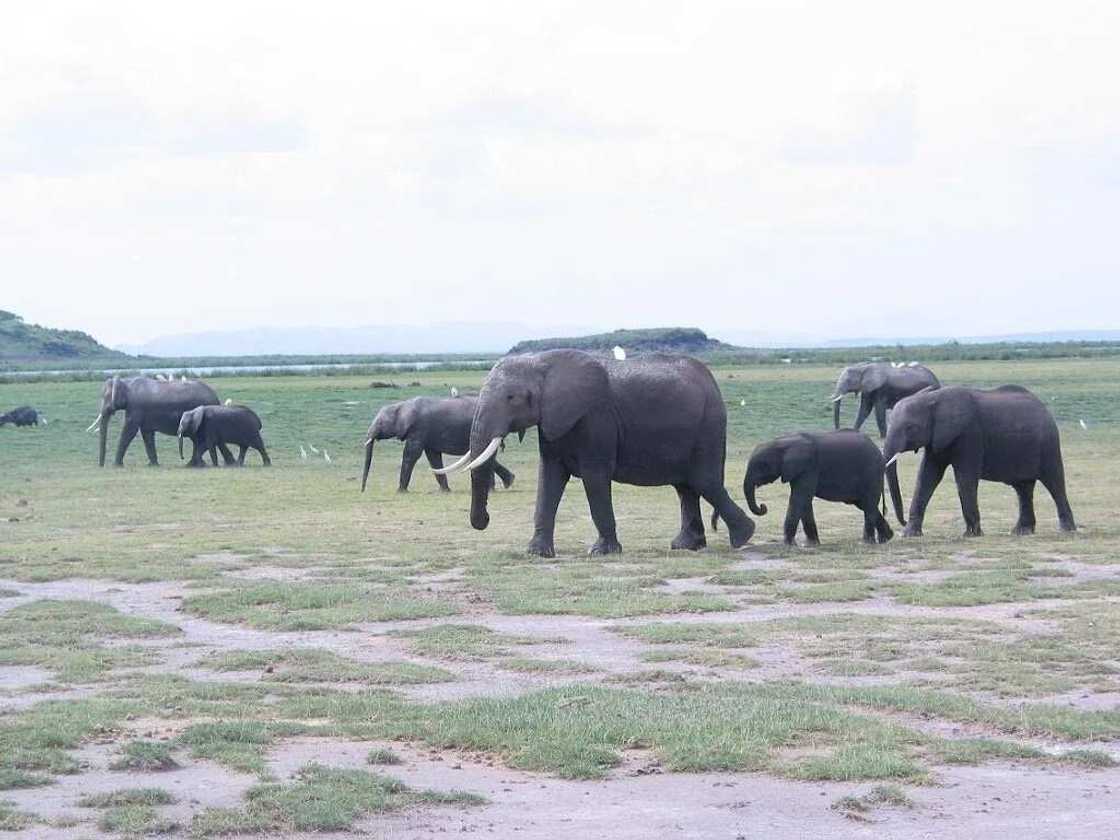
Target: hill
662 339
24 342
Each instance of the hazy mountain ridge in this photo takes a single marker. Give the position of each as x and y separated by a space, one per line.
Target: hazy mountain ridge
689 340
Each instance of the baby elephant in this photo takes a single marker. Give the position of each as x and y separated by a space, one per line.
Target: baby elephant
844 466
214 426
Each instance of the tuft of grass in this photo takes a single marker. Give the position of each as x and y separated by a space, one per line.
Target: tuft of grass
66 637
135 821
318 665
38 738
14 779
978 750
382 756
1088 758
237 744
880 796
12 819
127 796
321 799
312 606
466 641
709 634
144 756
545 666
707 657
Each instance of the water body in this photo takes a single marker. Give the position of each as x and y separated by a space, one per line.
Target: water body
218 370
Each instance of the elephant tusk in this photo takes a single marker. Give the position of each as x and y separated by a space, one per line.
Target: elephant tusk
837 398
486 455
94 424
892 459
461 464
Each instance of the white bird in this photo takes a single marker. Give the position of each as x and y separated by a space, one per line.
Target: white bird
311 446
619 353
326 457
454 391
228 401
1084 425
302 452
743 403
913 364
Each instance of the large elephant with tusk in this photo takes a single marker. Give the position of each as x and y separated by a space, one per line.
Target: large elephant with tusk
149 406
650 421
429 426
880 385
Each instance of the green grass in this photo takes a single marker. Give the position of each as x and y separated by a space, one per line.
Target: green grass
146 756
66 637
126 796
880 796
237 744
709 634
135 821
320 799
466 642
529 665
383 756
12 778
12 819
316 665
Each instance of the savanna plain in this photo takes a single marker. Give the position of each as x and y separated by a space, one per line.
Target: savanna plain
269 652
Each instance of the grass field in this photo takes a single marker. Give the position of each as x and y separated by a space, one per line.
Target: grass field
219 651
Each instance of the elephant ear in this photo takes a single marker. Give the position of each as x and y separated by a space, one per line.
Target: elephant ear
874 377
406 417
191 421
797 460
950 416
574 383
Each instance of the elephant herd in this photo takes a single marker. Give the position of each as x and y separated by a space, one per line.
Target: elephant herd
660 419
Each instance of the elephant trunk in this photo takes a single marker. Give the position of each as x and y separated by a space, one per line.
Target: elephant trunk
836 400
180 446
103 437
896 493
749 485
487 432
368 463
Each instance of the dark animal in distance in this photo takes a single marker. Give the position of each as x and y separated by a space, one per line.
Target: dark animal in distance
430 426
25 415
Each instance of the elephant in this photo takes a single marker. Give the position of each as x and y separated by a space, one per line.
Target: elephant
1005 434
844 466
210 426
150 406
25 415
649 421
428 426
880 386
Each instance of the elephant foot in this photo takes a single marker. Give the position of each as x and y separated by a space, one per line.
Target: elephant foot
402 489
812 543
688 541
973 531
740 535
912 530
1068 525
539 547
603 545
886 537
153 463
1021 530
445 489
507 484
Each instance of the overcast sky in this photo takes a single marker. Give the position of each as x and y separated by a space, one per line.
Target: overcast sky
826 168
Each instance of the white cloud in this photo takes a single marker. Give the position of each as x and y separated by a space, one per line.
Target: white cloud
752 165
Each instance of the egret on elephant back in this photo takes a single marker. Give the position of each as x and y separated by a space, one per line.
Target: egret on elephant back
649 420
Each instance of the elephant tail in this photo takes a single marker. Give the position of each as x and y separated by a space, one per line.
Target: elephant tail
715 519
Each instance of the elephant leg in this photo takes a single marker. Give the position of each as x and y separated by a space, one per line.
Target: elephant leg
241 450
930 474
597 486
740 527
128 432
691 537
435 461
865 406
149 437
968 483
882 527
881 417
504 474
413 449
227 456
1026 523
1054 480
809 523
552 477
214 454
